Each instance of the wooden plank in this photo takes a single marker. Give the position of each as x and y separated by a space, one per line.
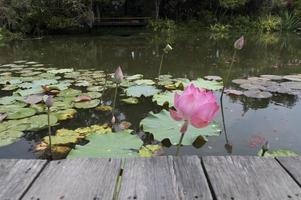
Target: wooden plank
76 179
163 178
191 178
17 175
293 166
250 178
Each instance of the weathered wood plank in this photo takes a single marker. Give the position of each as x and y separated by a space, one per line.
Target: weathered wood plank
250 178
76 179
163 178
293 166
17 175
191 179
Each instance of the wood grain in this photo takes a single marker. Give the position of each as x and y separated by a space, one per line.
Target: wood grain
76 179
16 176
293 166
164 178
249 178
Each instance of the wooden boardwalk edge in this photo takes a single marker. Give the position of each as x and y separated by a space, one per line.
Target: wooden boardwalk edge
166 177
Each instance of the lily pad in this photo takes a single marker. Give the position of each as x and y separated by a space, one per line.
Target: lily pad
278 153
296 78
213 78
61 71
257 94
110 145
209 85
165 98
162 126
144 82
104 108
39 122
141 90
131 100
292 85
134 77
94 129
65 114
20 113
87 104
272 77
63 137
9 136
70 93
249 86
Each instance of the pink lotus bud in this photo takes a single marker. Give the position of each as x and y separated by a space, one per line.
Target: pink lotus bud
49 101
239 44
118 75
113 120
196 106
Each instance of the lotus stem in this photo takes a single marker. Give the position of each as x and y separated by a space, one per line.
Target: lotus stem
115 96
222 94
180 144
161 63
49 133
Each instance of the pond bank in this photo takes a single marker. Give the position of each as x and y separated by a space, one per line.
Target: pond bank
189 177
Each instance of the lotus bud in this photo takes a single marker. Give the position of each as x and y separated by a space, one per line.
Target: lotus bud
167 49
118 75
48 101
239 44
113 120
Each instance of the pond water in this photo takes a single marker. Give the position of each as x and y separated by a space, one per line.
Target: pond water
249 121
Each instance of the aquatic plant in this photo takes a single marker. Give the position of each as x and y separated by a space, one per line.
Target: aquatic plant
49 103
118 77
166 50
238 45
194 106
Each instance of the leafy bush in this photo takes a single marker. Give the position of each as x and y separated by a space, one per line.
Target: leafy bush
270 23
162 26
219 28
290 22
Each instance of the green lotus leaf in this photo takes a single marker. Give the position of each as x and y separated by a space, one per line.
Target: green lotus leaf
126 83
39 122
93 95
95 88
40 108
141 90
209 85
65 114
9 136
17 105
162 126
10 99
110 145
19 113
62 105
134 77
69 93
87 104
278 153
30 91
61 71
63 137
130 100
144 82
165 98
10 87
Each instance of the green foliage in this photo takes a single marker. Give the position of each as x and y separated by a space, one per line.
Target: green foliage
160 26
270 23
290 22
232 4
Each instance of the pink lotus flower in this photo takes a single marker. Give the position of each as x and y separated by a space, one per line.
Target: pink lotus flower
195 106
239 44
118 75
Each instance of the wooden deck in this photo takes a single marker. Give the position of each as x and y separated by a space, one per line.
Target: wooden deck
162 178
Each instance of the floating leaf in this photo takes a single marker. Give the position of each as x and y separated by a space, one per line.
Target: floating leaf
104 108
162 126
94 129
63 137
65 114
149 150
110 145
87 104
9 136
278 153
93 95
131 100
144 82
141 90
34 99
82 98
213 78
209 85
134 77
257 94
39 122
272 77
165 98
233 92
20 113
61 71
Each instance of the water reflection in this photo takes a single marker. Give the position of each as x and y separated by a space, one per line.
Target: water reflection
193 56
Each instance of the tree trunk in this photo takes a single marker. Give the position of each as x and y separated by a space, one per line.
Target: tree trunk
157 7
